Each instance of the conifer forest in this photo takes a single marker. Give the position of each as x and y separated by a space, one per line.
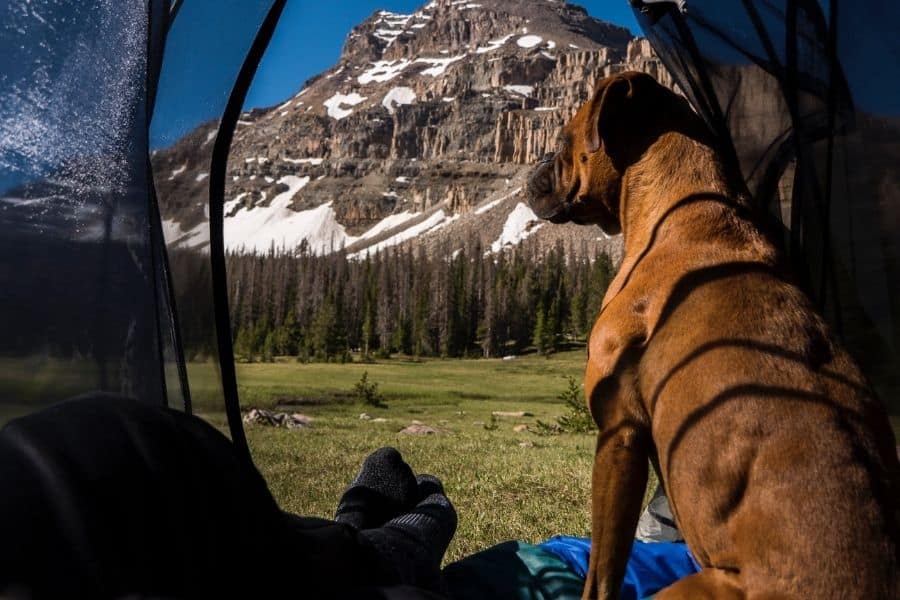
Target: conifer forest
407 301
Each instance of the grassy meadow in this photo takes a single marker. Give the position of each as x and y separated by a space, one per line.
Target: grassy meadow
505 484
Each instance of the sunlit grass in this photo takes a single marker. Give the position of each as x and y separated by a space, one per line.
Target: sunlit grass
504 484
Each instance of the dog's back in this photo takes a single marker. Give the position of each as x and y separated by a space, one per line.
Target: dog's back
754 403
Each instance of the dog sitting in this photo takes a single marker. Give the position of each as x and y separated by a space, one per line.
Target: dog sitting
776 454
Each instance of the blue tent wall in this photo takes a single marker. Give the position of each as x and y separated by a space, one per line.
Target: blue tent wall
84 305
89 288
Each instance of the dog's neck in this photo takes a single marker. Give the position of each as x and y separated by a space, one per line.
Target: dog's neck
675 169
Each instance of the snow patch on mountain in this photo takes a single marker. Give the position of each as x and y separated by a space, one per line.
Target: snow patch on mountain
178 171
262 227
304 161
438 65
529 41
233 203
398 96
383 70
490 205
434 222
524 90
388 223
520 224
335 103
198 237
493 45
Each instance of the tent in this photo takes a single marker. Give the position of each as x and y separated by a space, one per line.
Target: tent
88 297
804 94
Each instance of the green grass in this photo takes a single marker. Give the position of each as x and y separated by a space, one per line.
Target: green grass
502 490
426 381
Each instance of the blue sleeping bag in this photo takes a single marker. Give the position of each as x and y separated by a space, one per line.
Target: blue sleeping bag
556 569
651 566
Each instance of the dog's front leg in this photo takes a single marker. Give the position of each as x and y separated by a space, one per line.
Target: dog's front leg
618 483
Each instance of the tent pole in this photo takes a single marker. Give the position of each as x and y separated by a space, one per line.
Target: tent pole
218 165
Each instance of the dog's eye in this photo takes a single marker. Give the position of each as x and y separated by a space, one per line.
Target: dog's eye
584 158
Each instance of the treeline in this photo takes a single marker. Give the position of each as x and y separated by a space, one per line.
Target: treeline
403 301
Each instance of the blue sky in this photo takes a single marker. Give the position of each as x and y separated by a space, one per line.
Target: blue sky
310 36
209 39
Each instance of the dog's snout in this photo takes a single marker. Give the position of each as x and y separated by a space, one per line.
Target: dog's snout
542 180
543 190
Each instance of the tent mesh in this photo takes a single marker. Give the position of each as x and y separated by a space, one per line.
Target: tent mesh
805 95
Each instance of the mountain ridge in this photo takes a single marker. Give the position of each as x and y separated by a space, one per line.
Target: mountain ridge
422 132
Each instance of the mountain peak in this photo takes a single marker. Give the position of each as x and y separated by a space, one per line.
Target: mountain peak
423 132
455 26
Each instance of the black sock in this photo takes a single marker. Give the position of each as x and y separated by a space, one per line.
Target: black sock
415 542
384 488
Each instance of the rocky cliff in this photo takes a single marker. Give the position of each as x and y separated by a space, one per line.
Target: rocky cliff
422 132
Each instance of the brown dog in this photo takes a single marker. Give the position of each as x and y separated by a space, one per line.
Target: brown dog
777 457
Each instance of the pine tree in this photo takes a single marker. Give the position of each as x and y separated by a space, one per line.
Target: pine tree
324 339
542 335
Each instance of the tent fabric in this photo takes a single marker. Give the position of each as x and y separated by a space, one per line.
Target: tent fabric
805 96
85 303
90 286
227 60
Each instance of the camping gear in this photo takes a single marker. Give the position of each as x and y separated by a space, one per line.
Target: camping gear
556 569
657 523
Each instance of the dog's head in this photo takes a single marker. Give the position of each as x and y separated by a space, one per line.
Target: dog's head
581 181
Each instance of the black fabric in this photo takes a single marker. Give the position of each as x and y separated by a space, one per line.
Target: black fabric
805 96
104 496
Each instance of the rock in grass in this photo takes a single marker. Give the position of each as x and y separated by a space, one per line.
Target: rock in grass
526 444
419 429
519 414
261 416
365 417
520 428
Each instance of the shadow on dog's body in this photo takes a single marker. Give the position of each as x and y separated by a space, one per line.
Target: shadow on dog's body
777 456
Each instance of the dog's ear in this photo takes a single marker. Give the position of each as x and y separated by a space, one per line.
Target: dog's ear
608 100
611 107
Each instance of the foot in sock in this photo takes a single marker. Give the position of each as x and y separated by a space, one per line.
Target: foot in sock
415 542
384 488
